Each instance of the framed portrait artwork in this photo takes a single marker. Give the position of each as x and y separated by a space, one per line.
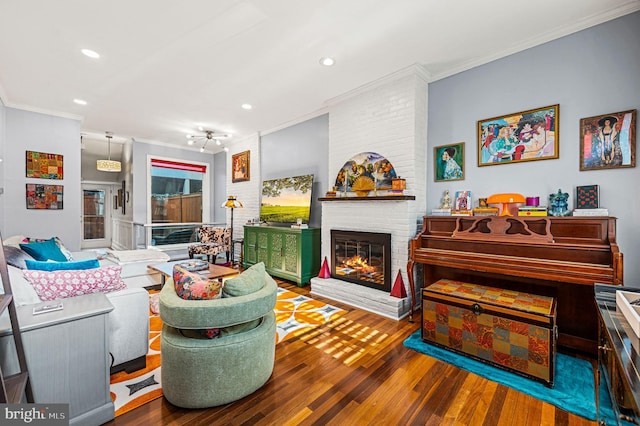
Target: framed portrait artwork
518 137
240 166
608 141
449 162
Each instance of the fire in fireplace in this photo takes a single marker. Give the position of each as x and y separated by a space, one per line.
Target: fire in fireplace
362 258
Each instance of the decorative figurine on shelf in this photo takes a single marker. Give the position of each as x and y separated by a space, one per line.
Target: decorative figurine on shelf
558 205
446 200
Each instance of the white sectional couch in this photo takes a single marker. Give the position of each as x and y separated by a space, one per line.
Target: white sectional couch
128 322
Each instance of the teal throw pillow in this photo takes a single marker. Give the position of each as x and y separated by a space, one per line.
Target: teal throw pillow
45 250
248 282
62 266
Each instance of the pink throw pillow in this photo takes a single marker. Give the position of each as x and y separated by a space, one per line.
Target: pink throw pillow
62 284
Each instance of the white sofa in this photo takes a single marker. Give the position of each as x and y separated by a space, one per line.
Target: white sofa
128 322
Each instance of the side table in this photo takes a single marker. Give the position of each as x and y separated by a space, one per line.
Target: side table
68 356
233 250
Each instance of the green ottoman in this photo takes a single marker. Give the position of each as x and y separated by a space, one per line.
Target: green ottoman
201 372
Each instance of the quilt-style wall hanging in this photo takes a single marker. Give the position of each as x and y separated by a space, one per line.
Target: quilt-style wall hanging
48 197
44 166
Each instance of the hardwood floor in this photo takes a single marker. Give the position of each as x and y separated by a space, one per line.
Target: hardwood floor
355 371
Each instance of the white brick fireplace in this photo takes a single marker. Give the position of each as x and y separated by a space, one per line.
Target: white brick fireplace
388 117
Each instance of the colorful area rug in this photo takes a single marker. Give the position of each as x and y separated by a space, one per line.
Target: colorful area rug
295 315
574 389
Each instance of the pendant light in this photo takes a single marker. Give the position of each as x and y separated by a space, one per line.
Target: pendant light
108 165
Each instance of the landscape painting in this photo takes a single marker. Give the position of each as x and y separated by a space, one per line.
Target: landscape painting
286 200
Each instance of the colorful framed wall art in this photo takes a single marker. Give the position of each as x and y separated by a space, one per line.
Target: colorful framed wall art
608 141
240 166
518 137
44 197
449 162
587 197
43 165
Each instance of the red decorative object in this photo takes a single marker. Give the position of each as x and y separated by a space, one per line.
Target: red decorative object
324 270
398 289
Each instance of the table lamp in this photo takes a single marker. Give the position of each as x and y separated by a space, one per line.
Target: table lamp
232 204
505 200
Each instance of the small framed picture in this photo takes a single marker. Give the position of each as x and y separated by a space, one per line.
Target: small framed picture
587 197
449 162
240 166
608 141
518 137
462 201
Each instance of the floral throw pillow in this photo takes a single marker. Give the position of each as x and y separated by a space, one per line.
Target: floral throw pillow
193 286
52 285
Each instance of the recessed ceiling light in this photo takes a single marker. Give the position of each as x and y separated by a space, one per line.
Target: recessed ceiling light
246 106
226 149
80 101
90 53
326 61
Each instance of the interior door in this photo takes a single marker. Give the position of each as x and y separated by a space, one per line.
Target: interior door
96 216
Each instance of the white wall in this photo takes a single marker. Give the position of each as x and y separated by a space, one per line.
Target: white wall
247 192
31 131
592 72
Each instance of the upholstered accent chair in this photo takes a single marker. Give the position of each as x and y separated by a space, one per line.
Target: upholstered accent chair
212 241
200 372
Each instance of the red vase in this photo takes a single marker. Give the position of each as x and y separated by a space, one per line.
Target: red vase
325 272
398 289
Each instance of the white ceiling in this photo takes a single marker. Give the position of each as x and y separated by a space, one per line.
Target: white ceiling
168 66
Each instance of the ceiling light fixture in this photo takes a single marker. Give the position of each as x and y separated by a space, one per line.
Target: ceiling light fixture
80 101
247 106
108 165
90 53
209 135
327 61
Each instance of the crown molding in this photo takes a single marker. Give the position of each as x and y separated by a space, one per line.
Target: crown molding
30 108
588 22
293 122
414 70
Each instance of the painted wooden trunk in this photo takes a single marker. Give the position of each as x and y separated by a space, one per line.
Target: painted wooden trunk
509 329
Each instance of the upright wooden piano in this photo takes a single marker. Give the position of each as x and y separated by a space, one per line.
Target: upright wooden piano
561 257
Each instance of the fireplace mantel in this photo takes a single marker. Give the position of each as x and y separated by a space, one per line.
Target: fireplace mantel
373 198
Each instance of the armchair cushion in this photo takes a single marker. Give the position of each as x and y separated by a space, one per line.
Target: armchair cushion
193 286
247 282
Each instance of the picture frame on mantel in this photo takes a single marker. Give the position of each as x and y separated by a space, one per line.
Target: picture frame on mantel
518 137
608 141
449 162
240 167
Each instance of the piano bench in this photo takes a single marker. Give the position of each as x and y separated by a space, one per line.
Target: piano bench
508 329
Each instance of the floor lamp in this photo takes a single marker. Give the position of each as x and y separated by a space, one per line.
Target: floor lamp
232 204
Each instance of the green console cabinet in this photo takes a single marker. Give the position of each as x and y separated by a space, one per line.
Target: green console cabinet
292 254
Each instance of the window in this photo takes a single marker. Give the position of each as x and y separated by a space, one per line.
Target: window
179 195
